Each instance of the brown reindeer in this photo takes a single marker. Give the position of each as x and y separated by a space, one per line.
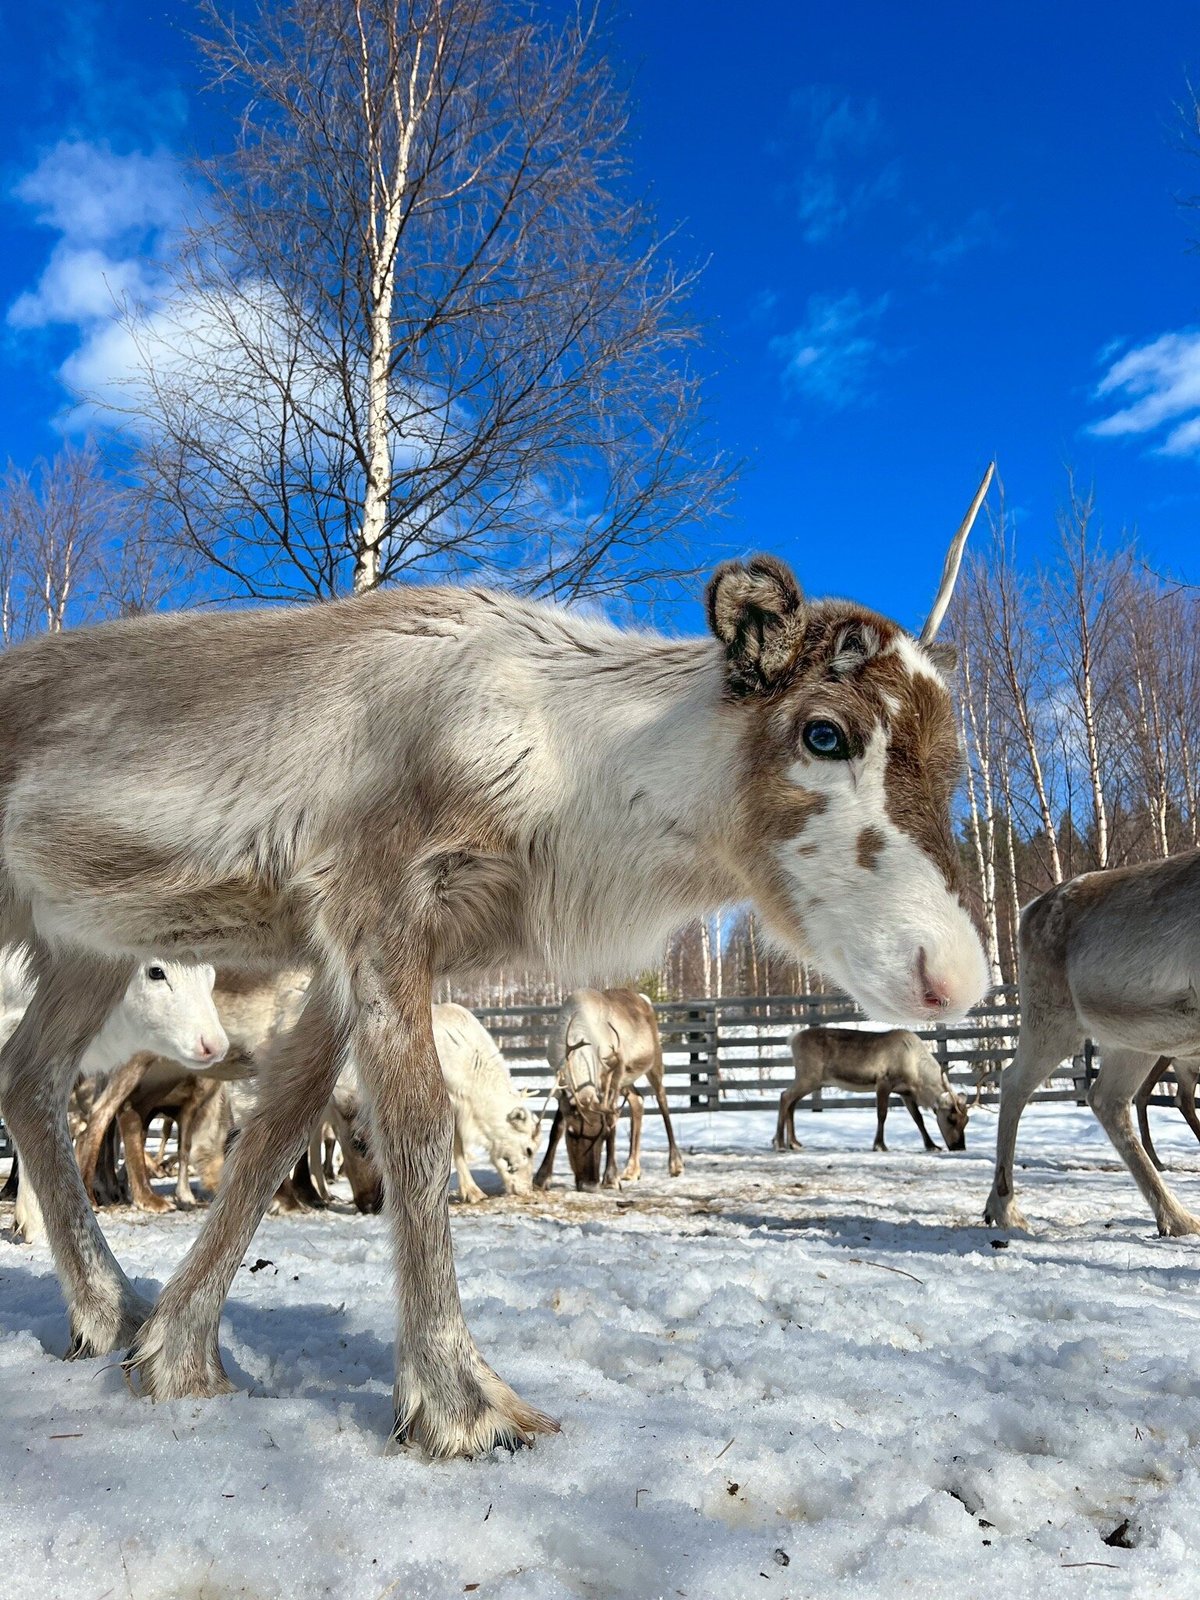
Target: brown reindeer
604 1041
884 1064
422 783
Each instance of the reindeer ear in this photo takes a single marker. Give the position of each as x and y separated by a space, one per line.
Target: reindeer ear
944 657
757 611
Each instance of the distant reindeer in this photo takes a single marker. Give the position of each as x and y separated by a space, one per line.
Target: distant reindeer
604 1041
418 784
884 1064
1115 957
1187 1076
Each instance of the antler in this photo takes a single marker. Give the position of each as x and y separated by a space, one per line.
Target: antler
953 561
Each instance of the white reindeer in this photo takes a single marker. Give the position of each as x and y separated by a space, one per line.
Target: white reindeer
167 1009
487 1109
1112 956
895 1062
419 784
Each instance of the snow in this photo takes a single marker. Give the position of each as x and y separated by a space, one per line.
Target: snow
777 1376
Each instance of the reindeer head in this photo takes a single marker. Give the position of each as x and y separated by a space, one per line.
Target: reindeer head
587 1128
849 759
952 1112
512 1148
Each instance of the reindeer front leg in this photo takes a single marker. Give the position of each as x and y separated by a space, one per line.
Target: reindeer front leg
914 1112
448 1401
541 1178
38 1067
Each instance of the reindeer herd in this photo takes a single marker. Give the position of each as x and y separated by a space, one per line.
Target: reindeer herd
347 803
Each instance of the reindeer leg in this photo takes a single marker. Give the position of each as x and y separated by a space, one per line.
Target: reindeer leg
133 1131
914 1112
175 1353
469 1191
1142 1101
541 1178
184 1123
1109 1096
1185 1095
674 1154
637 1110
448 1401
316 1162
1042 1043
883 1097
610 1179
121 1084
38 1067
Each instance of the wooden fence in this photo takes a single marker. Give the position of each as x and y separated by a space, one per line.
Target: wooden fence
732 1054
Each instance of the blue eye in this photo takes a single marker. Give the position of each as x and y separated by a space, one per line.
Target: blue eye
826 739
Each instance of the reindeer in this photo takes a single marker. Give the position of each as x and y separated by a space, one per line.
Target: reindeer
418 784
255 1010
1187 1076
1113 956
167 1006
604 1041
487 1109
896 1062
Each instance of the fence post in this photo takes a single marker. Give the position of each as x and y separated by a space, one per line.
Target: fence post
1085 1072
714 1061
697 1061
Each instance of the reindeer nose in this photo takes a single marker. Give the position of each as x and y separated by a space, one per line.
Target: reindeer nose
208 1050
935 994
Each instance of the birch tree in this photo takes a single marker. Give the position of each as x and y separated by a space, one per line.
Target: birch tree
423 326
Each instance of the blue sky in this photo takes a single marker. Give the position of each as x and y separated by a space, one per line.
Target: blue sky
933 234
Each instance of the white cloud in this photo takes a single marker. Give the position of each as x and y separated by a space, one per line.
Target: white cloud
1160 383
829 357
91 195
839 133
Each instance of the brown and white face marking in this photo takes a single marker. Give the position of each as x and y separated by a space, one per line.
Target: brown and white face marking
851 758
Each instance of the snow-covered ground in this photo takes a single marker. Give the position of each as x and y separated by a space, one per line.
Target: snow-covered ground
777 1376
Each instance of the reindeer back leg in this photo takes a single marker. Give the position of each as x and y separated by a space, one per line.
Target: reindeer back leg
1141 1101
133 1131
637 1110
655 1079
1120 1074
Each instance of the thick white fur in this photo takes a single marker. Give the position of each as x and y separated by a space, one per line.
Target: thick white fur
487 1109
876 957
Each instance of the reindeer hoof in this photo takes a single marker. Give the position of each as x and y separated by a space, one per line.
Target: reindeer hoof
99 1330
485 1415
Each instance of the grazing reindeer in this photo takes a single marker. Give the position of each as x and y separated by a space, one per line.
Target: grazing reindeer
1187 1076
417 784
890 1063
605 1040
1112 956
487 1109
